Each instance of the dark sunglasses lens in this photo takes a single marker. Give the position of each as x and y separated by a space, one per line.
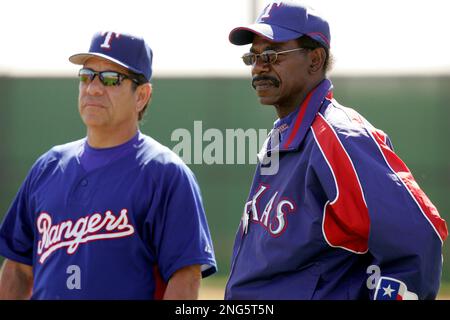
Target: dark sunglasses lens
248 58
110 78
86 75
269 56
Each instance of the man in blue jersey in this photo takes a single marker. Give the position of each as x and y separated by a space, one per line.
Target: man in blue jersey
115 215
342 216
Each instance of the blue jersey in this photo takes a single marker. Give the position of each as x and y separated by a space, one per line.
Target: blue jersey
343 218
116 231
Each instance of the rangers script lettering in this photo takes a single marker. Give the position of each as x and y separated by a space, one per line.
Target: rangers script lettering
113 215
71 234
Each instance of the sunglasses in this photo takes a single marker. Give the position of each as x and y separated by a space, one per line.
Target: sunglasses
268 56
107 78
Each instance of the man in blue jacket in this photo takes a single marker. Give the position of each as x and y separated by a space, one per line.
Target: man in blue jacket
341 217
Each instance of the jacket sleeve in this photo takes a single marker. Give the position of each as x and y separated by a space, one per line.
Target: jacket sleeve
377 207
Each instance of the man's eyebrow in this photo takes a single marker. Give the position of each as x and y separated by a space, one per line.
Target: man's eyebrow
269 47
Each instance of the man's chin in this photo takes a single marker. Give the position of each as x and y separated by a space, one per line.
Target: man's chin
268 101
91 120
267 96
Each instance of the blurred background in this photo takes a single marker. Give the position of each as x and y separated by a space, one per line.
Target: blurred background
391 64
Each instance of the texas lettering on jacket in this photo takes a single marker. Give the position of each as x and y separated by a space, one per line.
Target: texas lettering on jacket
276 225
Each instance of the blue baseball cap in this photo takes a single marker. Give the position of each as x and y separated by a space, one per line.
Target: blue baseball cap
129 51
282 21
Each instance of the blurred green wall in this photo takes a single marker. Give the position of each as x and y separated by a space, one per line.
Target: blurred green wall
36 114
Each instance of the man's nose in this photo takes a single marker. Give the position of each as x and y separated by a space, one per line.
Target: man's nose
260 66
95 87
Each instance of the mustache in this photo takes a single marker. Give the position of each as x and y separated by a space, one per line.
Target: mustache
274 81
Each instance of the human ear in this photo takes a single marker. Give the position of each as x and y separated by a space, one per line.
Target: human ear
143 95
317 57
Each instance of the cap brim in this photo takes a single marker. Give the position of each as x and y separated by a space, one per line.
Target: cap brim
81 59
244 35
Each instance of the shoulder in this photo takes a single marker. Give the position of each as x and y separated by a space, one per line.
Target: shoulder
66 150
343 120
337 121
57 157
158 158
343 135
60 154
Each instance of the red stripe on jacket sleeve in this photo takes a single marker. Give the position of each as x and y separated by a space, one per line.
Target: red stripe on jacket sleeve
346 219
401 170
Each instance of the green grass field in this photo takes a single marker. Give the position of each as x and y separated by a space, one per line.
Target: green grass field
213 289
444 292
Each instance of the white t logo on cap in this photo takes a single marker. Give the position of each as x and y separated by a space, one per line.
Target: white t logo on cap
269 8
107 43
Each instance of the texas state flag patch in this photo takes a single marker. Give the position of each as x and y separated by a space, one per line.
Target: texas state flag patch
393 289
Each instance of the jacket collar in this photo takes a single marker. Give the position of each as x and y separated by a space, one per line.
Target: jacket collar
294 130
